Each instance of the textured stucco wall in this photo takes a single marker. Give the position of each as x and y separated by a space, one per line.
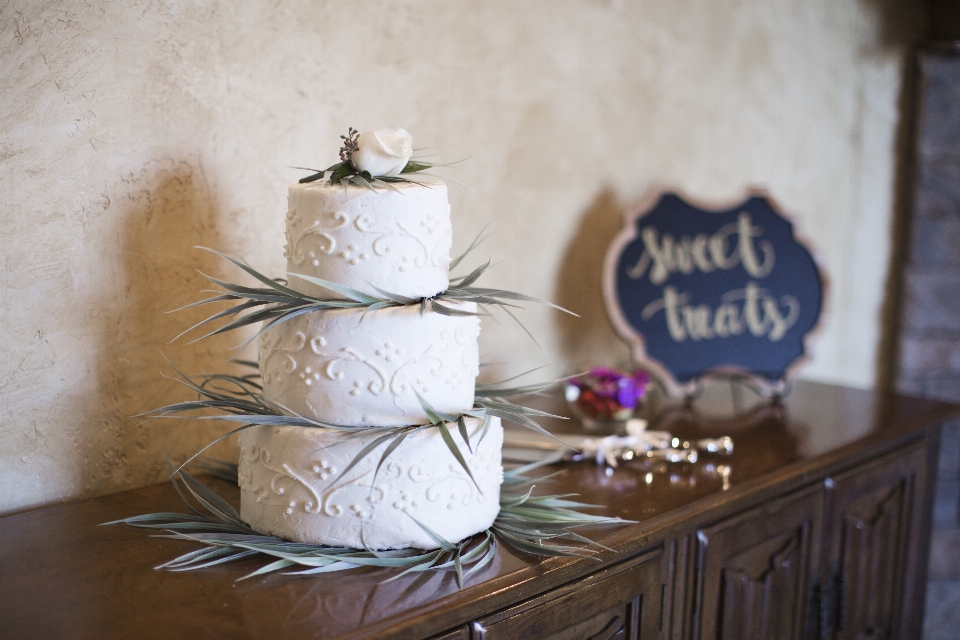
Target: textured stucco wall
132 131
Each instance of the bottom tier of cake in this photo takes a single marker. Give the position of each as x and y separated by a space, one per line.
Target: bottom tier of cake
292 485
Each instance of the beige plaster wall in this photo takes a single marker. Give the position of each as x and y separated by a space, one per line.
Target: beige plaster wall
132 131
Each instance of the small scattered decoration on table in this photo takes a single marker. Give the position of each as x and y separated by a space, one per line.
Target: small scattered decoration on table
639 443
713 291
607 400
538 525
607 394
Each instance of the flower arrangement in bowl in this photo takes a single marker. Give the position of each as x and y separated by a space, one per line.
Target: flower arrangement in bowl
605 399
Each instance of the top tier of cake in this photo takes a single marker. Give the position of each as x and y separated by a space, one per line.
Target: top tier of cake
397 241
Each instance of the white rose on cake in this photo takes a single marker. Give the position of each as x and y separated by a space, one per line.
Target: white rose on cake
383 152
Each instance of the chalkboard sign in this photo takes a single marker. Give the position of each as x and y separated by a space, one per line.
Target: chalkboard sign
697 291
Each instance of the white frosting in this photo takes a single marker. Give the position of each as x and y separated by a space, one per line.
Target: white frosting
398 242
357 367
291 487
364 368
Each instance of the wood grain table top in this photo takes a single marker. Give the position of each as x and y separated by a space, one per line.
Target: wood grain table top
62 575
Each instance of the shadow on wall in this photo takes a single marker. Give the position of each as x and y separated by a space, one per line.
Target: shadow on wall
589 340
166 211
899 22
909 25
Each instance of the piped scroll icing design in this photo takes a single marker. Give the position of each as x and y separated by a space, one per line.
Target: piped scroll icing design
391 371
399 387
319 499
466 339
427 251
270 347
349 368
407 245
349 354
318 490
310 506
254 455
295 237
450 486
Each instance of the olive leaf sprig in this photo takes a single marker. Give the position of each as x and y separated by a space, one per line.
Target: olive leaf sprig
346 174
538 525
234 398
276 302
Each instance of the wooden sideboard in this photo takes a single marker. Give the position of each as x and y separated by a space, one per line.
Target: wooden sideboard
817 526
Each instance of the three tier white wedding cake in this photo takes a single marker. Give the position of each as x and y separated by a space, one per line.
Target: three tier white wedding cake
365 368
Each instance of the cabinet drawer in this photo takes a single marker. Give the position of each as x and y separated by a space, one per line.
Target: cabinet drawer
869 547
753 570
622 602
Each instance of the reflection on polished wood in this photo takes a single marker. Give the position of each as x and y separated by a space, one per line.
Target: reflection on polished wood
825 518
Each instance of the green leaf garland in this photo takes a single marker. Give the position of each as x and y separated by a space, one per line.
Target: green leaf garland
526 523
277 302
239 399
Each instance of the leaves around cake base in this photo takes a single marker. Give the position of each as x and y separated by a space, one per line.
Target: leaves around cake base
534 525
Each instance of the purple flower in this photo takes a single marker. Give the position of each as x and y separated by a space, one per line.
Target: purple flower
608 393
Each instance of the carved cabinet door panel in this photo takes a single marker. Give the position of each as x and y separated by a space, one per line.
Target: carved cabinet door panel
753 569
619 603
869 545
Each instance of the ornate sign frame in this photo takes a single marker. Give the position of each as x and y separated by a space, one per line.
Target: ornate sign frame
770 379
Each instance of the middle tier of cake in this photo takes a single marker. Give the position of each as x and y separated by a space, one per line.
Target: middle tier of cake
358 367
